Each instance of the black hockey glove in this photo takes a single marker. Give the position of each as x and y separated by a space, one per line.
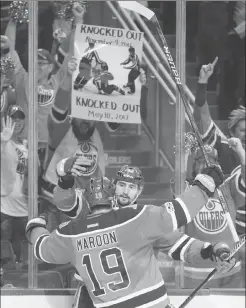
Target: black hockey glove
219 254
209 179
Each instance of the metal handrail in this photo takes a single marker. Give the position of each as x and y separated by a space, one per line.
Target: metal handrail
158 77
161 152
162 54
150 50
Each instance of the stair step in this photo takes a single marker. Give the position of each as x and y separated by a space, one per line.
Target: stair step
126 142
151 174
122 157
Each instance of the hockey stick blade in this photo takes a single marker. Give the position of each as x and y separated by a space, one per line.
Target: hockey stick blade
138 8
236 248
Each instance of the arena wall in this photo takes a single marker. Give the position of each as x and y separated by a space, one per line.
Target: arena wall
46 300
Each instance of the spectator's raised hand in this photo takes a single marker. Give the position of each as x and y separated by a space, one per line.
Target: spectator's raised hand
237 146
78 12
80 165
74 166
206 71
72 65
8 128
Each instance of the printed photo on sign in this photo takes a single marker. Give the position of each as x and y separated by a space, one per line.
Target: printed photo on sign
106 84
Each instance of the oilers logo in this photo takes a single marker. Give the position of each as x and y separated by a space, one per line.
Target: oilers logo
45 96
89 152
211 219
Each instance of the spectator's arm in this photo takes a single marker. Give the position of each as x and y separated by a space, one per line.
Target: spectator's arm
63 57
207 127
58 119
236 145
10 33
240 30
66 198
3 145
66 50
201 110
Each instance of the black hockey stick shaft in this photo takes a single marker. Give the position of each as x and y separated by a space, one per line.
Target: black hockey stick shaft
237 246
193 123
193 294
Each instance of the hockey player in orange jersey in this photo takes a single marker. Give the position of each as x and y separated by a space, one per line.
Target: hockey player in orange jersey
102 79
112 248
210 225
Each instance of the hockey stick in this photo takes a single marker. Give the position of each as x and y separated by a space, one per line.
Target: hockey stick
238 245
142 10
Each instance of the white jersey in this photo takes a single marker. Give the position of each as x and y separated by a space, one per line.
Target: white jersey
16 202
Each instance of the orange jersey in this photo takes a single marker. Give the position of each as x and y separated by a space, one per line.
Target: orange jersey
113 252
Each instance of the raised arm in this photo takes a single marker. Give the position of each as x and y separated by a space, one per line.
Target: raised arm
10 37
49 247
67 198
206 125
68 44
178 212
181 247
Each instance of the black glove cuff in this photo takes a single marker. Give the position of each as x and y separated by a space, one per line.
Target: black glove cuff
66 182
202 187
215 173
201 94
207 253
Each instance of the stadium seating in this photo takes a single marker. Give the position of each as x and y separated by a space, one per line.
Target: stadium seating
46 280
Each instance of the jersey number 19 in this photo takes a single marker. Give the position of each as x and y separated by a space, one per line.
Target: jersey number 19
108 270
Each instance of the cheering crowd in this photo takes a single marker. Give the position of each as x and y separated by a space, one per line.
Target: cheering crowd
83 214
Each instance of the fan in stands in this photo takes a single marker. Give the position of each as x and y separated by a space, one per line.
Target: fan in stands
126 236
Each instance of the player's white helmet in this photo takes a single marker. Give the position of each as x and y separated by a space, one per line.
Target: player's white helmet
126 194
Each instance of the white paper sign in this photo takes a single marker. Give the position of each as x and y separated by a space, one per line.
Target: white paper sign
106 84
